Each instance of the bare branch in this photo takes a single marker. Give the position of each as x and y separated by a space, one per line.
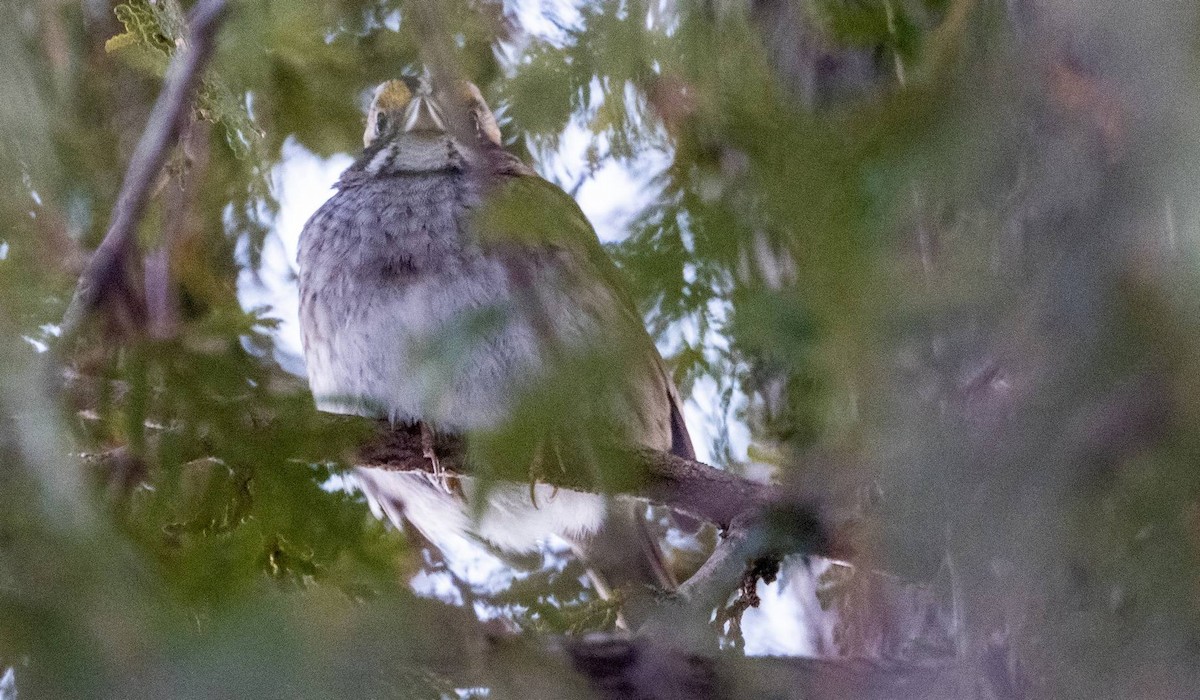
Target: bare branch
683 617
623 668
613 665
106 266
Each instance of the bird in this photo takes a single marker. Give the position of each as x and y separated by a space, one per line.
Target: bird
444 278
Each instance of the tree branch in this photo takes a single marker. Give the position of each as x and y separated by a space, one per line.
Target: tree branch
613 665
685 485
624 668
106 266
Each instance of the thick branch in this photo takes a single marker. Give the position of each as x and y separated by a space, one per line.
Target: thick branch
105 268
685 485
625 668
618 667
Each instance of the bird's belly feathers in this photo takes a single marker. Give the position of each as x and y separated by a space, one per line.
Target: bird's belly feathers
438 347
511 521
395 307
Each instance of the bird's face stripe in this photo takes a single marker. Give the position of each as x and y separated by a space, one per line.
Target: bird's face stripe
381 160
409 106
393 153
422 113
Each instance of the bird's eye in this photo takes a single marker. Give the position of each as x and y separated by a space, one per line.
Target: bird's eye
381 123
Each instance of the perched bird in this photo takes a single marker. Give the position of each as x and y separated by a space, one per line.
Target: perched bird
442 280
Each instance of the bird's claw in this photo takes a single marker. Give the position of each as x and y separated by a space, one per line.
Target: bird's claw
430 453
535 473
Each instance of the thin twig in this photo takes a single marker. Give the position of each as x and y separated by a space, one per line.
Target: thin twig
106 266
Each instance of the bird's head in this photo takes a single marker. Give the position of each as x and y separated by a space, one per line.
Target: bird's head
418 107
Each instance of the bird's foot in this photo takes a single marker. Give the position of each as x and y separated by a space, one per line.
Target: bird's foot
537 470
430 453
535 473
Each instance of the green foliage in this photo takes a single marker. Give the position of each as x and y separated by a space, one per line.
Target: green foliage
225 446
154 31
928 304
898 27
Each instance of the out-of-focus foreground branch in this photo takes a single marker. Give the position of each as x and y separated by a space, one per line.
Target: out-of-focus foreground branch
687 486
636 668
105 270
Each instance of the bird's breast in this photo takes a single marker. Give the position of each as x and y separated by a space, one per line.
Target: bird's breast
402 313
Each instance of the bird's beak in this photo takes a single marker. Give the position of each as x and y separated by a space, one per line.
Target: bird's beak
422 114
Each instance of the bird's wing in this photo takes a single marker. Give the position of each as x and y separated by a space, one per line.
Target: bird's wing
527 212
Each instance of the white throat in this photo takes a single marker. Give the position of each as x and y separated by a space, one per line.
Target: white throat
420 152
